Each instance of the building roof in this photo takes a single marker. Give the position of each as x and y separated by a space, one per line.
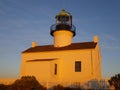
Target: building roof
73 46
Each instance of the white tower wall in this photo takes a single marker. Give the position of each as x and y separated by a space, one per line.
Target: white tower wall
62 38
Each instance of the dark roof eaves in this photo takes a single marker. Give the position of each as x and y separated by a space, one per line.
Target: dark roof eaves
56 50
73 46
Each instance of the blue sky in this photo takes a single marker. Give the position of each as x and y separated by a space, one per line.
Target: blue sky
24 21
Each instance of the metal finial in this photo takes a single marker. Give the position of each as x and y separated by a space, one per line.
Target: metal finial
63 9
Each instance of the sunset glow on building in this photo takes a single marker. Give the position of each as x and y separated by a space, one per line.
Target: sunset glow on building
64 61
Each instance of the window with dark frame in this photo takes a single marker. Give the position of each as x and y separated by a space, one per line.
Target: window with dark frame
77 66
55 69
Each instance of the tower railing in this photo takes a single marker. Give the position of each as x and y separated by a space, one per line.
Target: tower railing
56 27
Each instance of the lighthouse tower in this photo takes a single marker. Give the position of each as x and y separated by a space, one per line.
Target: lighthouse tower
63 30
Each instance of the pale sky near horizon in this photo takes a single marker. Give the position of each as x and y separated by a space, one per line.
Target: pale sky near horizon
24 21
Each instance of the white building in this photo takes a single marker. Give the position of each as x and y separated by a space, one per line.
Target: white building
63 62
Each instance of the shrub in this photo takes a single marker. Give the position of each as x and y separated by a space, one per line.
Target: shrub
115 81
27 83
3 87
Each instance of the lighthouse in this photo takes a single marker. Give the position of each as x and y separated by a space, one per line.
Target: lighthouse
63 62
63 30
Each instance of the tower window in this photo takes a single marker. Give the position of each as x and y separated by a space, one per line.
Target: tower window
55 69
77 66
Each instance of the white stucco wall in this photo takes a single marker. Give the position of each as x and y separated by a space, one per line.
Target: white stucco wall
65 60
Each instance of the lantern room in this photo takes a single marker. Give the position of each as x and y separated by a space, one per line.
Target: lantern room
64 18
63 22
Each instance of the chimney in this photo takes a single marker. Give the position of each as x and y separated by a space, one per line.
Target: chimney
96 39
34 44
